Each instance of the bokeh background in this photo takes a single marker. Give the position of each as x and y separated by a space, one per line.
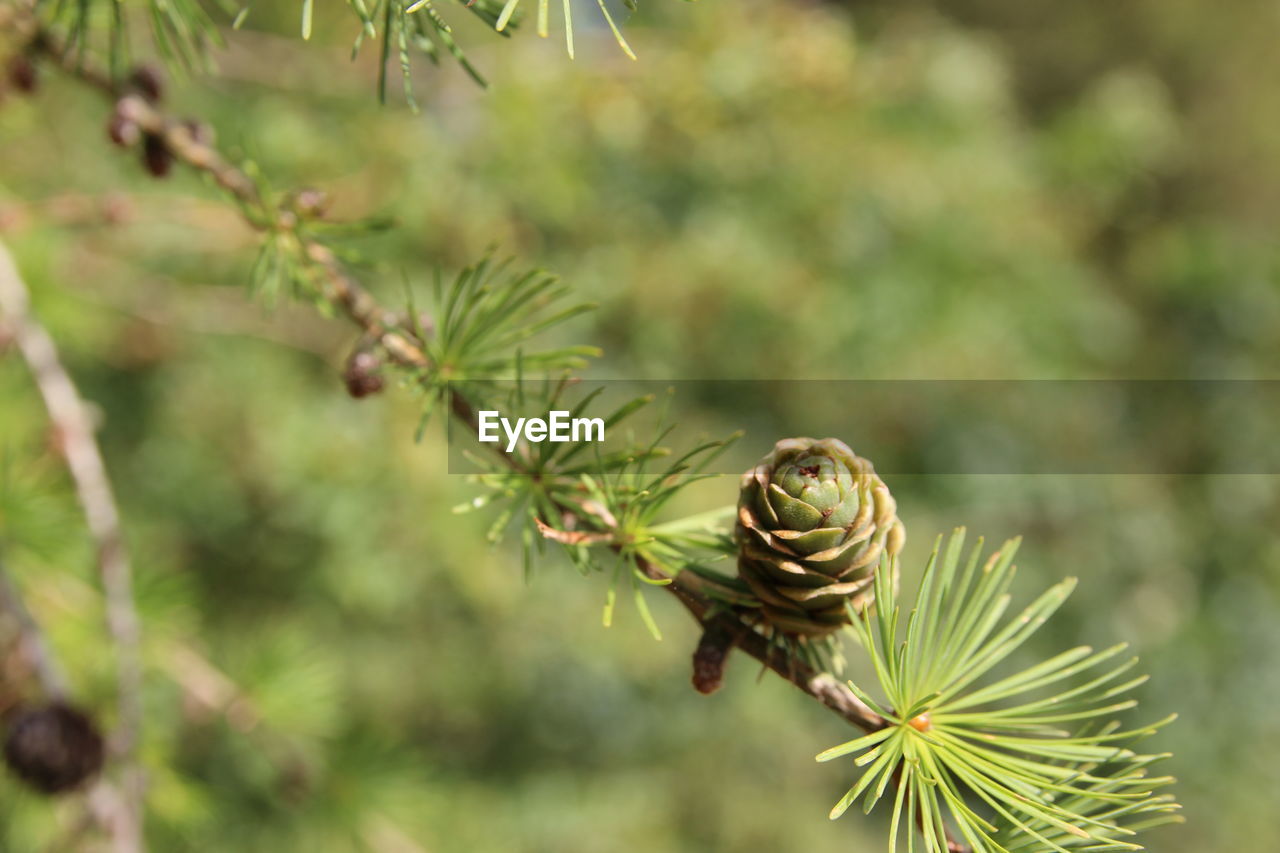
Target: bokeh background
783 190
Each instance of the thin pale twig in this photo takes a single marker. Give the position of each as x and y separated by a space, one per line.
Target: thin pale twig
75 437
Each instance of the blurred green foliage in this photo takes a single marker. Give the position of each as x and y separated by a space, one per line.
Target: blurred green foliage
775 190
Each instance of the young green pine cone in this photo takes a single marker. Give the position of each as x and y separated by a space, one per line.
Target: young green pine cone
813 520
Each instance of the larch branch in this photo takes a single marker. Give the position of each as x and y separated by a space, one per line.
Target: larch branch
359 306
345 293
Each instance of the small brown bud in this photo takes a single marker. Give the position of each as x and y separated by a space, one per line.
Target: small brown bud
201 133
148 81
122 130
311 203
23 74
710 659
53 748
361 375
156 155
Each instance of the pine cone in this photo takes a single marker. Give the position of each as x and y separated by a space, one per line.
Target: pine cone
53 748
813 520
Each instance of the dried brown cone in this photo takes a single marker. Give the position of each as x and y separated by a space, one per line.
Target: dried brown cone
813 523
361 375
53 748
